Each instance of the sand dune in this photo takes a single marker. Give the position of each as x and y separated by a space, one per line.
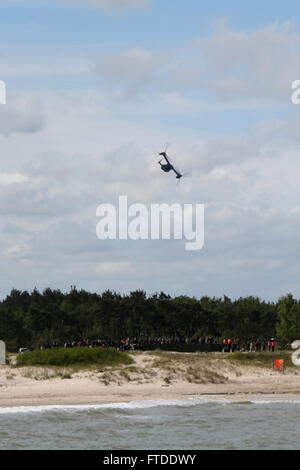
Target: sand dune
151 377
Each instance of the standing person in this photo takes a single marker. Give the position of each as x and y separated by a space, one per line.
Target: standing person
273 346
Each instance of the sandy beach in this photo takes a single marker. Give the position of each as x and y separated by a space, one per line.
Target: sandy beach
151 377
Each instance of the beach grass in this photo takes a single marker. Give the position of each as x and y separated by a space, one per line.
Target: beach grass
263 359
38 373
73 357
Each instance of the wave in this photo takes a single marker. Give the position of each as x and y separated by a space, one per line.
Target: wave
184 402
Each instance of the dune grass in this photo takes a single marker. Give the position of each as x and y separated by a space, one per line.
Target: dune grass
46 373
263 359
73 357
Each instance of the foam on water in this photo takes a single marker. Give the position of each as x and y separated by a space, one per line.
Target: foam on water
184 402
201 422
125 406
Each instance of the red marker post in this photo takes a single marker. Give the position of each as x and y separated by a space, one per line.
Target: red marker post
279 364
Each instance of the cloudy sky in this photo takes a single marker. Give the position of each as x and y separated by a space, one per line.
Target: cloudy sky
96 88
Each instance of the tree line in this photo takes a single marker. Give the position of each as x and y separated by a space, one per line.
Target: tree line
35 318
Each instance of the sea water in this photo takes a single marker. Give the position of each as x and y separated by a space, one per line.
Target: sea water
188 424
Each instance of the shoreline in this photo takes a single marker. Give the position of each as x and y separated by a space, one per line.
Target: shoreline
90 402
153 377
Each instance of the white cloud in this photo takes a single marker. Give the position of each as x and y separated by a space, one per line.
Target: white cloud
12 178
130 73
261 64
20 114
12 250
111 268
220 174
51 183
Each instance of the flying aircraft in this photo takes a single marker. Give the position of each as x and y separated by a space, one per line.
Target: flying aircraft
167 167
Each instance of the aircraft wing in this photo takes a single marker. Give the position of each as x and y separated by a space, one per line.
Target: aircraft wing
179 175
166 158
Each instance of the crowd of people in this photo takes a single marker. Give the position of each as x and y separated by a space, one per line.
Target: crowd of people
144 343
127 344
229 345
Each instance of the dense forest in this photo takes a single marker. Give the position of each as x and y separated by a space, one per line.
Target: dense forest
31 319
